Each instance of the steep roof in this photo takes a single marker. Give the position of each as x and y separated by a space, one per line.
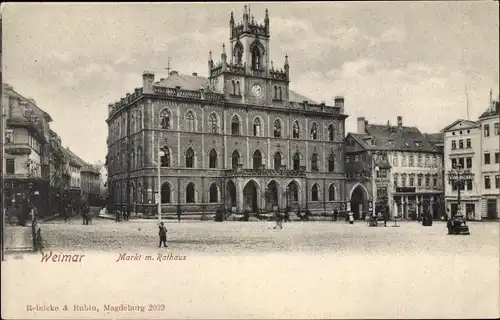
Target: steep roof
490 112
401 138
195 83
84 166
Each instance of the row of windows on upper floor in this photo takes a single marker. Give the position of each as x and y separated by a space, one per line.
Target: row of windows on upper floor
486 129
136 160
421 180
468 161
191 125
468 184
405 159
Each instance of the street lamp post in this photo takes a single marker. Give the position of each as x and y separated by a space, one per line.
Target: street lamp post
459 177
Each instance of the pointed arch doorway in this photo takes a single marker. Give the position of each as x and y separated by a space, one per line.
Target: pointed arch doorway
250 196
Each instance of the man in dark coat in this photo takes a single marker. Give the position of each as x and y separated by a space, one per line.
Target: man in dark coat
162 233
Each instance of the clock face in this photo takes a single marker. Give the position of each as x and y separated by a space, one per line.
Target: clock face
257 90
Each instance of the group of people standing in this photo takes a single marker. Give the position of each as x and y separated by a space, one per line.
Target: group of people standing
122 214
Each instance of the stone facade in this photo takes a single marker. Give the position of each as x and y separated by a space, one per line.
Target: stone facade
396 167
240 138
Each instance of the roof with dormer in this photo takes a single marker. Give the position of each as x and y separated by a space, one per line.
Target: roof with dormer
195 83
401 138
76 160
490 112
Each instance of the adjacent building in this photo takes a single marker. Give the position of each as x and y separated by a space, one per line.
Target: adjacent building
394 166
85 179
490 160
462 147
239 138
26 145
36 168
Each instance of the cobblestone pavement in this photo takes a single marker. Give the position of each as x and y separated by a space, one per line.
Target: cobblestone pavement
247 237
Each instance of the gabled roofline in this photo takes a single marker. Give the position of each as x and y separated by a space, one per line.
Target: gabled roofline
457 121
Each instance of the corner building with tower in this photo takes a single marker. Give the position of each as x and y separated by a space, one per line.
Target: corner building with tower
239 139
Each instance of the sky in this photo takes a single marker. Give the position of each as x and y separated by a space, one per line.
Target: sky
418 60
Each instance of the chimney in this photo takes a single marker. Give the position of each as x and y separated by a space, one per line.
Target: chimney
148 78
195 74
339 103
400 121
362 125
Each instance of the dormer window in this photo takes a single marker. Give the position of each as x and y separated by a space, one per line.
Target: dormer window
407 144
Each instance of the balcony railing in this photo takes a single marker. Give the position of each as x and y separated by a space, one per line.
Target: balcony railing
239 172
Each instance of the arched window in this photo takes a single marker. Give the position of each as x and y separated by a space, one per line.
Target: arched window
281 94
139 157
132 159
165 157
256 127
235 159
234 87
294 191
314 162
190 193
238 53
190 122
275 93
255 58
212 161
331 193
214 193
132 123
277 160
139 120
331 132
235 125
165 119
296 130
296 161
140 198
331 163
314 131
238 91
165 192
214 123
189 158
315 193
277 128
257 159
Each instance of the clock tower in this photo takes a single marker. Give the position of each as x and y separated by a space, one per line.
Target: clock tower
248 74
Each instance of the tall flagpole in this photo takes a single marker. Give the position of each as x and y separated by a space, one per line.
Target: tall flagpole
158 198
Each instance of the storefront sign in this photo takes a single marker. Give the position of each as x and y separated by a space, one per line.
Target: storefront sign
18 150
405 189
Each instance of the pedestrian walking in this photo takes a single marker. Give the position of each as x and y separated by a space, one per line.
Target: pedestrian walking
179 211
351 218
385 218
279 221
117 215
335 214
162 233
347 216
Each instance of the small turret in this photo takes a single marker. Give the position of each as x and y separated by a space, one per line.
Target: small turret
210 60
266 22
223 56
287 66
245 19
231 20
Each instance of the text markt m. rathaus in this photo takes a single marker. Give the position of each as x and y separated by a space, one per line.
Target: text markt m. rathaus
160 257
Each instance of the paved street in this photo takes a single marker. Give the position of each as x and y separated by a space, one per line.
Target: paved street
247 237
246 270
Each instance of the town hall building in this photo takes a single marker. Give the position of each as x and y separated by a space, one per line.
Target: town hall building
238 139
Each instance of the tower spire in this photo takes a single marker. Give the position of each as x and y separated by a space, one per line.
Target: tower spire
223 55
168 67
231 21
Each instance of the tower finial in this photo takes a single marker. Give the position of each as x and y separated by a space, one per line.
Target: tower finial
245 12
231 21
286 60
272 65
223 54
266 19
